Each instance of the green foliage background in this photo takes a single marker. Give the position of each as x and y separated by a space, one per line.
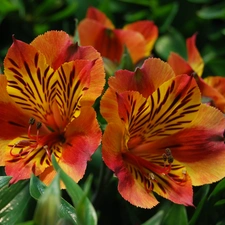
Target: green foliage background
176 20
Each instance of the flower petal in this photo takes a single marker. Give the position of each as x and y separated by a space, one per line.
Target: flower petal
56 46
73 81
100 17
111 152
30 80
146 79
13 121
148 30
194 58
214 88
83 137
171 108
200 147
179 65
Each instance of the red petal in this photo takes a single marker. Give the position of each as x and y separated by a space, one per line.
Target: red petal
146 79
194 58
83 137
179 65
100 17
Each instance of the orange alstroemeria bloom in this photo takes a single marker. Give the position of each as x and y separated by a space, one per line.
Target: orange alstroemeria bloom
159 137
98 31
211 87
47 92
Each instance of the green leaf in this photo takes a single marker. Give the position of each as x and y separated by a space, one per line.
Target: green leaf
216 11
202 195
27 223
175 213
220 202
66 210
69 10
171 42
217 191
156 219
14 200
86 213
48 204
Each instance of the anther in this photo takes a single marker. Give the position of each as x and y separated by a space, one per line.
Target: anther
38 125
170 159
31 121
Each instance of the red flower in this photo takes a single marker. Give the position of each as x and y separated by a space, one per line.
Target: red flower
98 31
52 83
159 137
211 87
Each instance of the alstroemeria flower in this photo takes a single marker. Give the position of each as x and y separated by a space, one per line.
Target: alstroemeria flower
159 137
47 92
98 31
209 87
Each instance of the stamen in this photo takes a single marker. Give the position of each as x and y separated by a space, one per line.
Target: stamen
31 121
47 151
167 157
20 144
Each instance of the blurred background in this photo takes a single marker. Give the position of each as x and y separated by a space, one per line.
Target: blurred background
176 20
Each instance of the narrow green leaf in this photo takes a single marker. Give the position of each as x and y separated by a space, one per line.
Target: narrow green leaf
220 202
156 219
175 213
48 204
14 200
171 42
216 11
88 214
202 195
27 223
66 210
220 188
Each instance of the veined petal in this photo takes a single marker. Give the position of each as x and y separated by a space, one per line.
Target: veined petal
100 17
31 82
73 81
56 46
83 137
67 51
138 178
171 108
111 152
13 121
179 65
169 181
148 30
25 156
200 147
194 58
145 80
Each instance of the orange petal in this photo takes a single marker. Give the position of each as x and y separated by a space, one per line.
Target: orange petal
194 58
200 147
83 137
30 80
73 81
100 17
148 30
171 108
13 121
56 46
146 79
179 65
214 88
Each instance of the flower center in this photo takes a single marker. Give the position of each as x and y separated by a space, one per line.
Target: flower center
153 172
37 148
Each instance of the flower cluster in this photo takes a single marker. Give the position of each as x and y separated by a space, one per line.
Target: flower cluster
159 138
